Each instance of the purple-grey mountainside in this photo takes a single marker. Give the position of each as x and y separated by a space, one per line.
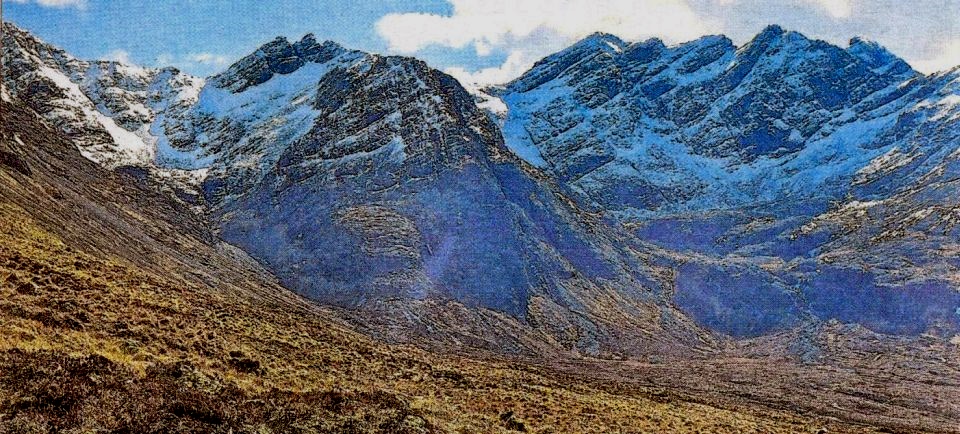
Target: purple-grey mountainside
801 178
630 197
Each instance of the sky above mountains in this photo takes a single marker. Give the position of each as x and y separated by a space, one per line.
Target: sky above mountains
486 41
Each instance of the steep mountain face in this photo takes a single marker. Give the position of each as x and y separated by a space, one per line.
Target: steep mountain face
763 162
643 129
248 115
635 198
901 217
117 114
121 312
375 183
363 180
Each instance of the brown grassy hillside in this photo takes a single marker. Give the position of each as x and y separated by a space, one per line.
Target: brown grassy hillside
119 312
90 344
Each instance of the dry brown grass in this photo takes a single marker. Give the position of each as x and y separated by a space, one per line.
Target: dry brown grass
92 343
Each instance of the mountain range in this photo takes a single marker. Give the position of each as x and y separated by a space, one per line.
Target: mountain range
618 201
751 156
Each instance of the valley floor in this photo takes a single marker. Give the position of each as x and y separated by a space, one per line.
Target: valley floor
120 312
91 344
124 310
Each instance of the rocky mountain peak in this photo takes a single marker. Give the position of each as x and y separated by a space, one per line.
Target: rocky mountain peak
878 58
18 42
698 110
773 39
771 31
370 181
601 40
106 107
644 51
589 52
278 56
361 179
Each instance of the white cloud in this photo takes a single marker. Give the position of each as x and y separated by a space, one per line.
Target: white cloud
122 56
166 59
836 8
948 57
202 63
512 27
79 4
516 64
208 59
487 24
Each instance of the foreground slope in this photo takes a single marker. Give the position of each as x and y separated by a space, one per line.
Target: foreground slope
110 283
120 313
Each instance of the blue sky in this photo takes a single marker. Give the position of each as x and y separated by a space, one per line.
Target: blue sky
477 40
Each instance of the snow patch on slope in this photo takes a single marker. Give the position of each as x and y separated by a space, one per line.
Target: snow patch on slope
129 148
886 163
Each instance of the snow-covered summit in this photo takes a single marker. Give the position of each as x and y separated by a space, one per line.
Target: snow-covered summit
879 58
649 129
276 57
362 179
113 111
759 160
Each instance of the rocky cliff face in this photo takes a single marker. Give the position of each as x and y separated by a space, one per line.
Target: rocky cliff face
375 183
107 107
117 114
636 197
386 183
644 129
787 167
